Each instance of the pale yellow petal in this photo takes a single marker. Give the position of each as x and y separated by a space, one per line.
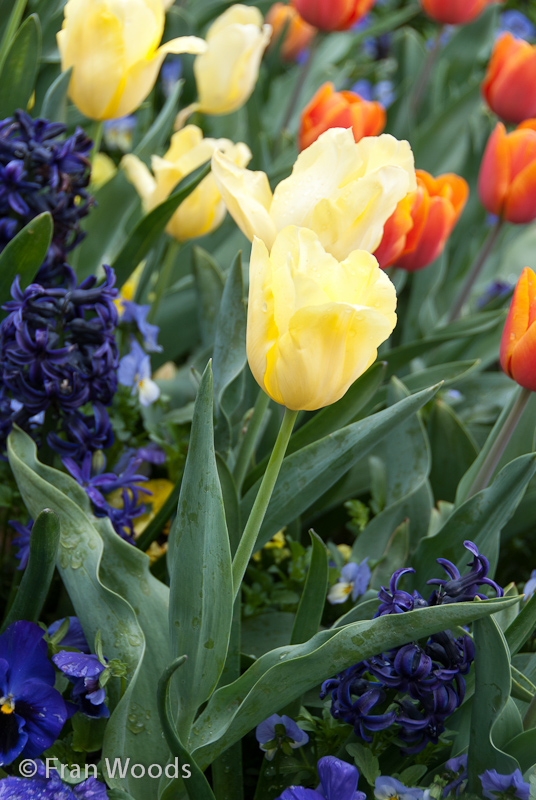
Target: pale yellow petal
202 212
139 175
142 23
247 196
261 328
183 142
237 14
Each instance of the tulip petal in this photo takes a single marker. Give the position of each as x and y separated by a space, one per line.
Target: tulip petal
520 206
519 319
141 77
139 175
261 328
247 196
523 361
438 226
512 95
494 176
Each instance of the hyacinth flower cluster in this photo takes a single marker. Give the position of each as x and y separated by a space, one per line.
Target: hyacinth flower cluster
419 685
40 171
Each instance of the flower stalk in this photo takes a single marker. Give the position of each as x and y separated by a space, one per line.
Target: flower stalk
475 271
258 512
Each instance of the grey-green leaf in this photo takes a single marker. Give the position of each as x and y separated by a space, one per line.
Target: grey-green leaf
25 253
19 71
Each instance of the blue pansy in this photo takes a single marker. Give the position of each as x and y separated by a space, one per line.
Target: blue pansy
277 733
42 787
530 586
338 781
354 581
495 786
32 712
119 133
132 312
84 672
73 637
458 766
386 788
22 541
135 371
170 74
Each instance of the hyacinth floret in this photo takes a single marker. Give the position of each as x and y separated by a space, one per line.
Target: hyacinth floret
40 171
419 685
58 352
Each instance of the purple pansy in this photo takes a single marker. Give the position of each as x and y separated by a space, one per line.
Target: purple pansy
84 672
338 781
48 786
277 733
495 786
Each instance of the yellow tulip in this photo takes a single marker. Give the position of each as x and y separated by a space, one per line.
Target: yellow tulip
343 191
314 323
203 210
227 72
112 46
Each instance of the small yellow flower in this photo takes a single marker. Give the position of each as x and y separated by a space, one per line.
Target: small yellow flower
113 47
203 210
103 168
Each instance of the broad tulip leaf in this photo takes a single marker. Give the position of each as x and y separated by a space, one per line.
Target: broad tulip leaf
480 520
523 748
37 577
280 676
314 469
199 562
152 225
55 101
25 253
313 599
112 591
522 627
453 450
209 283
19 70
492 692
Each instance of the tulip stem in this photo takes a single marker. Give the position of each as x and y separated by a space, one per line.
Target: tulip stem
164 277
249 441
251 531
489 465
475 271
97 139
298 87
426 71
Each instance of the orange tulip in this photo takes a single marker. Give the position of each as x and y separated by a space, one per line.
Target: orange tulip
331 109
332 15
507 179
416 234
455 12
518 343
509 86
286 21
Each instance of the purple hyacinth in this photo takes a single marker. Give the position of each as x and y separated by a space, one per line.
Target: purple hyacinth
32 712
40 171
58 353
463 588
47 785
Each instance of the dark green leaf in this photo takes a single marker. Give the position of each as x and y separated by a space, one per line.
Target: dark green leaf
313 597
55 101
25 253
19 71
209 283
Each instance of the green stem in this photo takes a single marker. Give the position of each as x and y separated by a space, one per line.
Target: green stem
97 139
164 277
249 441
475 271
494 456
426 71
302 77
11 30
253 526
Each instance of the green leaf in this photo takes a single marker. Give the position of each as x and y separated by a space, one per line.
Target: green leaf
523 748
19 71
453 450
112 591
199 560
480 520
152 225
313 599
25 253
209 283
367 763
37 577
279 677
332 417
492 692
311 471
396 554
88 733
55 101
522 627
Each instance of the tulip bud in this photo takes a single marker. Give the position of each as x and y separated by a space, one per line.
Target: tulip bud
518 343
507 179
331 109
113 49
297 34
416 234
456 12
332 15
227 72
343 191
203 210
509 86
314 324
